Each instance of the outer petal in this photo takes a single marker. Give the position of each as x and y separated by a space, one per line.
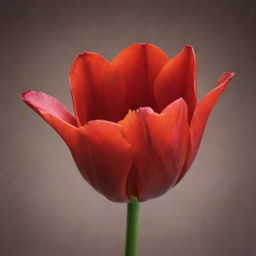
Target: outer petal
98 91
53 112
98 148
139 65
159 142
200 118
104 158
178 79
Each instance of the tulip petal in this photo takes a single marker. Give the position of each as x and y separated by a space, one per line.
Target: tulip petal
98 91
104 158
177 79
53 112
159 143
102 155
139 65
200 117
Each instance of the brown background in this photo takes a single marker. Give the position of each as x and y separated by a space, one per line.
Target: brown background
47 208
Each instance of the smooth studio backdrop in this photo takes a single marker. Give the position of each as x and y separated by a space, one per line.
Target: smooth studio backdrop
47 209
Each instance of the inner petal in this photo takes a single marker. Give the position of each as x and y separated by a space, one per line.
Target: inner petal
98 91
178 79
139 66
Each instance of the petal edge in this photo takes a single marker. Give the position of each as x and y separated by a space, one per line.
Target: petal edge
53 112
200 117
178 79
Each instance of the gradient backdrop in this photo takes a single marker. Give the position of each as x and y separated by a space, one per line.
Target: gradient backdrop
47 209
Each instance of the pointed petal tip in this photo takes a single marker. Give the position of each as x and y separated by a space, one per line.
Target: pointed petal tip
144 110
28 97
24 95
183 103
180 100
80 58
45 104
180 103
189 48
226 77
85 54
144 45
229 74
140 44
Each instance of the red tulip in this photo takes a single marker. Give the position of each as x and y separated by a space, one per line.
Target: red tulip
137 125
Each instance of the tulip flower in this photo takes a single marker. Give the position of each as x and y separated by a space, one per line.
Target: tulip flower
137 124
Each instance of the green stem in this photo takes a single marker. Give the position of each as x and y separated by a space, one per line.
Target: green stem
131 247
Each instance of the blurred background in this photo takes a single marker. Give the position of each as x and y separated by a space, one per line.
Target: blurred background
47 209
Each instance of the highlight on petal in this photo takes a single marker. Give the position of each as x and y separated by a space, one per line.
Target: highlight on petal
177 79
104 158
98 91
159 142
139 65
200 117
53 112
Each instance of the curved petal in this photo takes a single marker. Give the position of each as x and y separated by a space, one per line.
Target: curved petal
53 112
159 143
98 148
178 79
98 91
200 117
139 65
104 158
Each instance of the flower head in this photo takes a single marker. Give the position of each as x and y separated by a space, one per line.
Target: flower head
137 125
